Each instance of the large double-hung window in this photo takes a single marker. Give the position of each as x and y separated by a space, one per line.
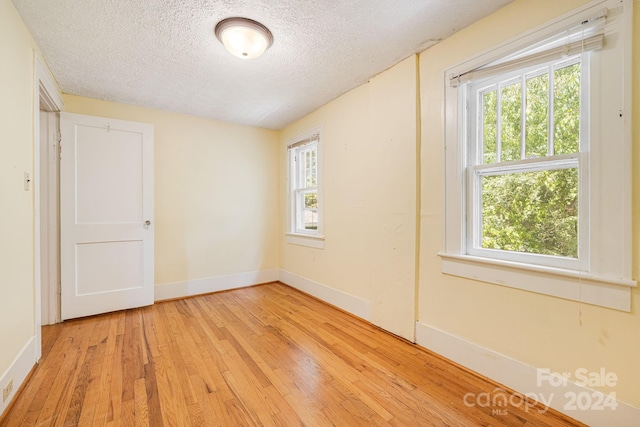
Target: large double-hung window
524 186
537 160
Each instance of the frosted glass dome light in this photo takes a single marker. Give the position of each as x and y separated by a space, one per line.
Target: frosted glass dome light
244 38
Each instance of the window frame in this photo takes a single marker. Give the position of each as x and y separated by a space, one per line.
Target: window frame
604 277
296 233
300 188
476 168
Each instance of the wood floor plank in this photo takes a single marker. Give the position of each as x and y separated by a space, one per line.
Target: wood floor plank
141 408
30 406
103 381
91 391
54 409
115 396
260 356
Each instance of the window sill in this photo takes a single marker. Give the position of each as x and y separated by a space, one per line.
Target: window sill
305 240
610 292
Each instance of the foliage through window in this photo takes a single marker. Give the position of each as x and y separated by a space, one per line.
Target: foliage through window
524 166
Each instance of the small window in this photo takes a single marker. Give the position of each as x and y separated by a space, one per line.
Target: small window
305 201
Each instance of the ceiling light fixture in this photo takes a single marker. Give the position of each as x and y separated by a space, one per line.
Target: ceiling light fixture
244 38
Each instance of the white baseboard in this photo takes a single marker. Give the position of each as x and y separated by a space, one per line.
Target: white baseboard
207 285
18 371
347 302
527 380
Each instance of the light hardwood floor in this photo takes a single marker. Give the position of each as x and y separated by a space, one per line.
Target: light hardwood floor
266 355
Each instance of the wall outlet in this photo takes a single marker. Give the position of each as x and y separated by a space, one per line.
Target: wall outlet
7 390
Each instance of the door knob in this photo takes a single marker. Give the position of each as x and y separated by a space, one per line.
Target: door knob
147 223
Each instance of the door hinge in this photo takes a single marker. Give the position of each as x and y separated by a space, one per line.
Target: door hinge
59 142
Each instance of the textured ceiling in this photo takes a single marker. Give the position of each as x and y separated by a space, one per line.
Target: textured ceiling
163 53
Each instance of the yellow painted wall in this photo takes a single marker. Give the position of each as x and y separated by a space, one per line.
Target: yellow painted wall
542 331
16 209
369 148
216 187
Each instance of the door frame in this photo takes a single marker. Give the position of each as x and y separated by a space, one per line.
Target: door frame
50 215
46 96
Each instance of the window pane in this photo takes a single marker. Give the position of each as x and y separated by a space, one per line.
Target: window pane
566 110
314 166
310 220
307 169
311 211
537 121
510 125
310 165
490 115
533 212
311 200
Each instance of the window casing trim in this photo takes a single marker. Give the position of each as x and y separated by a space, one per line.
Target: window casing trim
605 291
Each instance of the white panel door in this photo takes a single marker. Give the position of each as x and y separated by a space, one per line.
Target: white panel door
106 215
